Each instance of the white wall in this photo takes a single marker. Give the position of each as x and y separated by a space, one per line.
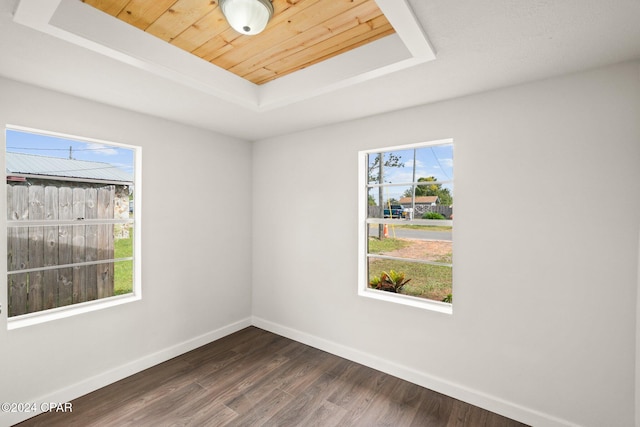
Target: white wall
547 181
544 325
188 177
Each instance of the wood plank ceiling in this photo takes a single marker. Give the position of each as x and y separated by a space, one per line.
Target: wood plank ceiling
301 32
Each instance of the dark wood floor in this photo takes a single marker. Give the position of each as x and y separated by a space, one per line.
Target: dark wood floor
256 378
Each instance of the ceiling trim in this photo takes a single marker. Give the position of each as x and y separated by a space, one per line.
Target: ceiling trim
83 25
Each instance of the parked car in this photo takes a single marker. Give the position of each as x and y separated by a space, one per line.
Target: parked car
396 211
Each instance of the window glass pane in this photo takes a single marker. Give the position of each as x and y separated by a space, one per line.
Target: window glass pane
403 165
106 161
395 200
41 290
390 166
424 280
427 243
434 168
44 246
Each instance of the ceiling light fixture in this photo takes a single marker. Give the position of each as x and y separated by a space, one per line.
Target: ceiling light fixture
247 17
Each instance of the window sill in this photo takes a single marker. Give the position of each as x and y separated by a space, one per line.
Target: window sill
68 311
437 306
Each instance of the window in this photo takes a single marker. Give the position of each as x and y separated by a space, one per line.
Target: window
72 235
406 224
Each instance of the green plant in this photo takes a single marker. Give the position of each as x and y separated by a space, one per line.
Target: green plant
391 281
432 215
448 298
427 281
375 282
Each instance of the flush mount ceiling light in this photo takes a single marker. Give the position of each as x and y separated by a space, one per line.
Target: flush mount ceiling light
247 17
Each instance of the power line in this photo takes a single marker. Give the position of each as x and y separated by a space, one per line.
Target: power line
61 149
79 170
440 164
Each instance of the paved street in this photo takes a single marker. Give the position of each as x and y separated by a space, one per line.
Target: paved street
406 233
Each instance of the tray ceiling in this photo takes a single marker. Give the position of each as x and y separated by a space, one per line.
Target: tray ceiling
301 32
71 47
330 44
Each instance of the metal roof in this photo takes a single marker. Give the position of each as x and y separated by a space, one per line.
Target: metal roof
420 199
29 164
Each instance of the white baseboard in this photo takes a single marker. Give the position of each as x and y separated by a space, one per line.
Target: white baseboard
440 385
98 381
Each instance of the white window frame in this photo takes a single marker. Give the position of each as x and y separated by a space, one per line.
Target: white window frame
29 319
363 222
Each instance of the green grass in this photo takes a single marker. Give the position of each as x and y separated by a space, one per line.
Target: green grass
123 270
427 281
445 259
389 244
427 227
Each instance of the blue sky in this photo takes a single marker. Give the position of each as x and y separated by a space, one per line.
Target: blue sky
435 160
44 145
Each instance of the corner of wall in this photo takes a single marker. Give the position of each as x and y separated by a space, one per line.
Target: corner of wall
637 387
103 379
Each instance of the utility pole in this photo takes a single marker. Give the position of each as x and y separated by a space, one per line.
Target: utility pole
413 186
70 153
381 194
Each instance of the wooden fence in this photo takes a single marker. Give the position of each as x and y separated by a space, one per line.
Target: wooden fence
446 211
37 248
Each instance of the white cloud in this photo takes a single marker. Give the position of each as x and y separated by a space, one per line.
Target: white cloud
102 149
446 162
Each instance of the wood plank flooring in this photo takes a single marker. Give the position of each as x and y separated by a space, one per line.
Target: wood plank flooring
256 378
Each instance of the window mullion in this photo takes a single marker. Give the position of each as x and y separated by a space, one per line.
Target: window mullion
76 264
409 183
401 222
55 223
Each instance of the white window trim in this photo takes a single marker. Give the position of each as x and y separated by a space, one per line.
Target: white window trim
363 286
49 315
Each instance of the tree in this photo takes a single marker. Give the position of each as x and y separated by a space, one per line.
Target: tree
376 174
375 171
435 189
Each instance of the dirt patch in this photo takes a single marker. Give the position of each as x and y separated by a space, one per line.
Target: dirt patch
430 250
426 280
